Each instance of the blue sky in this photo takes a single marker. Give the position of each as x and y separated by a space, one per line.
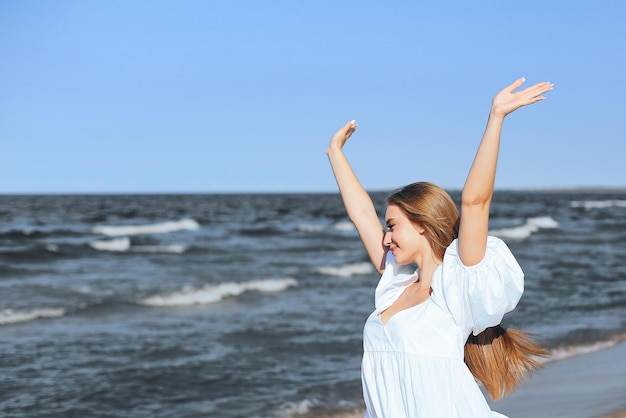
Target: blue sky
243 96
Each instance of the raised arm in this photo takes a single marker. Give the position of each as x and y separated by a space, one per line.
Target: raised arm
478 189
358 203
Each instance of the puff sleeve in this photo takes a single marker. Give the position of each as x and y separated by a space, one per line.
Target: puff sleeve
478 296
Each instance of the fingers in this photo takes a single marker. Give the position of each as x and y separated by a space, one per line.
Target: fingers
350 127
540 88
508 100
341 136
516 84
534 93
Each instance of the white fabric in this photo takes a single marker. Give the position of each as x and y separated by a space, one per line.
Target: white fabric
413 365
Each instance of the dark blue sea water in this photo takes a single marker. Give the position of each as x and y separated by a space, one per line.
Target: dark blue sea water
251 305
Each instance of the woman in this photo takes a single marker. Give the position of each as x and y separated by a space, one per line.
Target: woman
436 328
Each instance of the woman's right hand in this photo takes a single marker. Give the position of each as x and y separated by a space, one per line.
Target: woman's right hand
341 136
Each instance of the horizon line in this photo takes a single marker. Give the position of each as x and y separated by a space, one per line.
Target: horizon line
606 189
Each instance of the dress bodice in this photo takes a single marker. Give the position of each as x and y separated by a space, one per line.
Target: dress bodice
413 365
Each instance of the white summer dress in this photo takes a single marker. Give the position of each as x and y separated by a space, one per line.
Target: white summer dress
413 365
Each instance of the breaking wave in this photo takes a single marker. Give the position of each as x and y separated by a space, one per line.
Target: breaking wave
344 226
598 204
295 409
124 244
158 228
10 316
169 249
565 352
310 228
347 270
522 232
189 296
117 244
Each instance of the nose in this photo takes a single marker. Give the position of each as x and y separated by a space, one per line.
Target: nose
387 239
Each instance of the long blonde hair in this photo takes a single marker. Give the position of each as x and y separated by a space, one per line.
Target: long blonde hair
500 359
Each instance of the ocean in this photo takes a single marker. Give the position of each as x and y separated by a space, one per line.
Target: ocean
252 305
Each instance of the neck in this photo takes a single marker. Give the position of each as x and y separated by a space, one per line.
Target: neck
427 267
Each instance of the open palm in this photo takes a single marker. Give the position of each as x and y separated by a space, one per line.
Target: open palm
507 100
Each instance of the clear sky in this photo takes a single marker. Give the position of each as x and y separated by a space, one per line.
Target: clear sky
243 96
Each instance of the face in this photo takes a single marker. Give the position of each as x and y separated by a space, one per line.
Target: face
404 239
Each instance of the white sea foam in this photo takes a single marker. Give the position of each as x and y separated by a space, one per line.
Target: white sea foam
562 353
522 232
293 409
189 296
598 204
9 316
347 270
124 244
116 244
158 228
344 226
310 228
543 222
170 249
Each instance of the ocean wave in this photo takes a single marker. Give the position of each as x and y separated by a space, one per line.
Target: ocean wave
598 204
9 316
53 248
295 409
157 228
347 270
189 296
124 245
117 244
309 228
168 249
344 226
565 352
522 232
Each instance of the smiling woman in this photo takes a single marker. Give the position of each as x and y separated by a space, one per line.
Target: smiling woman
436 328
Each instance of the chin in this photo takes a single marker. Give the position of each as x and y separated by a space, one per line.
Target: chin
401 260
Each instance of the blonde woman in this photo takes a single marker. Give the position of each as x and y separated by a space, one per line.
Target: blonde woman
435 328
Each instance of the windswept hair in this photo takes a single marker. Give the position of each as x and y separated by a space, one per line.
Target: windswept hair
500 359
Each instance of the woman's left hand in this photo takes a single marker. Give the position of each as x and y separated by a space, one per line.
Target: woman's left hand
507 101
